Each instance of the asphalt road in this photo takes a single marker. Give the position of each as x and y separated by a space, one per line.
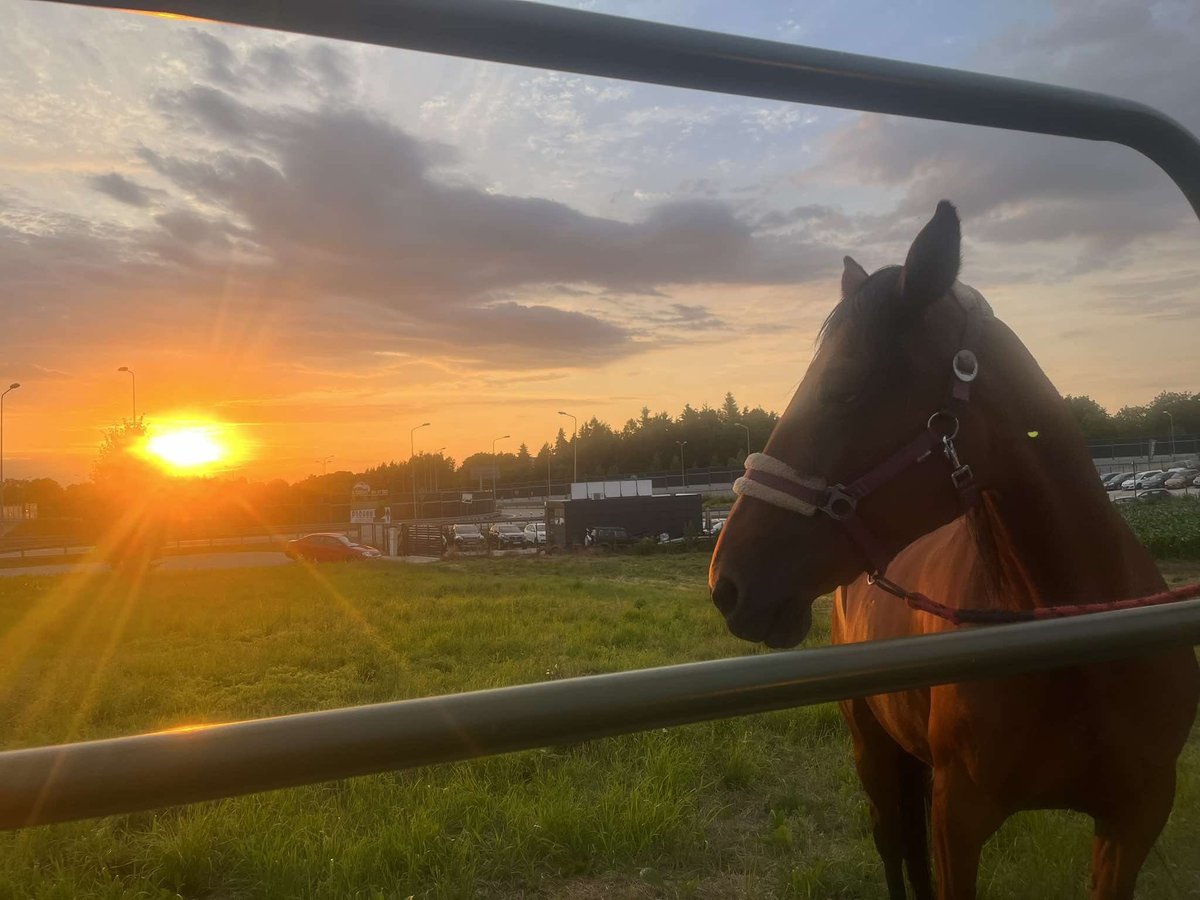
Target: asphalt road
190 562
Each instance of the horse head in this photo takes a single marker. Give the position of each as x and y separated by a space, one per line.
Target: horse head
887 355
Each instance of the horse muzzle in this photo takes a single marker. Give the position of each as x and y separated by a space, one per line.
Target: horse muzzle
769 566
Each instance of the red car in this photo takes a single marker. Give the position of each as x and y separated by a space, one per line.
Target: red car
328 548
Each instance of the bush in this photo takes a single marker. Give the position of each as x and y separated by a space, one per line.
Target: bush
1169 530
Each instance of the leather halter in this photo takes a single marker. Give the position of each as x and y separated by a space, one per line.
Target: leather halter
775 482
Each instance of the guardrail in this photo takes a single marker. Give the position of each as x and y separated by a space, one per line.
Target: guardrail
104 777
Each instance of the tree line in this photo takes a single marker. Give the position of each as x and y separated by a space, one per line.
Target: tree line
1179 410
647 443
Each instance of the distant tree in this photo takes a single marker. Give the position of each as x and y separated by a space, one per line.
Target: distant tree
1093 419
729 410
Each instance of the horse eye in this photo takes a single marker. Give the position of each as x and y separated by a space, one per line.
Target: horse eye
840 394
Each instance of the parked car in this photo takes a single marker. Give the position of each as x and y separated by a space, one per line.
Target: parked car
464 537
328 548
1196 481
1180 478
1156 495
506 535
1135 482
535 533
1115 481
1154 481
715 528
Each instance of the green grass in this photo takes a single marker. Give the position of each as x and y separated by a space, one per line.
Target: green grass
760 807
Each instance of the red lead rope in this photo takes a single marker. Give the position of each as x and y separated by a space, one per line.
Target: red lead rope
917 600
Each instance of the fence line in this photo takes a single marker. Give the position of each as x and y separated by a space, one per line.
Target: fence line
97 778
80 780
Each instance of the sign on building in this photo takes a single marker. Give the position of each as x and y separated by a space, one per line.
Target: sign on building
608 490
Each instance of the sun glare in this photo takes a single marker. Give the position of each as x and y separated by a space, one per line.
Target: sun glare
191 449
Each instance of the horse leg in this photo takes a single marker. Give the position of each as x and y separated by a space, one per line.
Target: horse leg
1123 839
915 810
884 769
963 820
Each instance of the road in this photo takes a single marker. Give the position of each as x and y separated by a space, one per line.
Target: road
190 562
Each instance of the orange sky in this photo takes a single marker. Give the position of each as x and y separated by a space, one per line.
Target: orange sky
321 245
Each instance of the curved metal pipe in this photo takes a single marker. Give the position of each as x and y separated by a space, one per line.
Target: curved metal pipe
533 34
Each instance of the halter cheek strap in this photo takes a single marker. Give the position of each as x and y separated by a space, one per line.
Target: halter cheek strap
774 481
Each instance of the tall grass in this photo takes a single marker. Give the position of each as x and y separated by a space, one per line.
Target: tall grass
766 806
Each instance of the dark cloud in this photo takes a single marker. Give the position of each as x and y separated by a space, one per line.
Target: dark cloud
1023 189
120 188
339 212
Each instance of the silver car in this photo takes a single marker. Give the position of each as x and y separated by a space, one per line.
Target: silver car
535 533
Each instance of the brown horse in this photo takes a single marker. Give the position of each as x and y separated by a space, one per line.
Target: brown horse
909 351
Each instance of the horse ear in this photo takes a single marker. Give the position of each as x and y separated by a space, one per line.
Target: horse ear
853 275
933 259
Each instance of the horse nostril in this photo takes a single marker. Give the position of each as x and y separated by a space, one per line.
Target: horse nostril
725 596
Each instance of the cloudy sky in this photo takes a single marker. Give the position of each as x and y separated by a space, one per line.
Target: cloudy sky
324 244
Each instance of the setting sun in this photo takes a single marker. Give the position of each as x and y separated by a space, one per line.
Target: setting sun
190 449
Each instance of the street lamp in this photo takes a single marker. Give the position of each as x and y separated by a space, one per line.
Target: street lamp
11 387
502 437
747 430
324 461
133 389
682 470
412 460
1172 418
574 443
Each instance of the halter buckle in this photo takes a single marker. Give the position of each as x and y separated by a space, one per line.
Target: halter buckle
838 504
962 476
965 365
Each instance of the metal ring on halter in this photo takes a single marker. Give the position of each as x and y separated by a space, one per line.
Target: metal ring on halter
949 435
965 365
838 495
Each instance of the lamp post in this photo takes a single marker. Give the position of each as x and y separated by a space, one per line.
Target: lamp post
1172 418
412 460
132 388
747 430
574 443
682 470
502 437
324 461
3 515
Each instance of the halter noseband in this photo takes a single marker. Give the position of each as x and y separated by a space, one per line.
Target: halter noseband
774 481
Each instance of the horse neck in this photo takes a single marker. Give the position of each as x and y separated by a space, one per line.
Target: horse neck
1049 533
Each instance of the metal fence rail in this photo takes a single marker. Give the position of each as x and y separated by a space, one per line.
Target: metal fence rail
104 777
532 34
74 781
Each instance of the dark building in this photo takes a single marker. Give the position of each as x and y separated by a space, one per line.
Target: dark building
567 521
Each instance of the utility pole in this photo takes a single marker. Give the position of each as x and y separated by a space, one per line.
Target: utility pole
3 511
412 461
132 388
682 470
503 437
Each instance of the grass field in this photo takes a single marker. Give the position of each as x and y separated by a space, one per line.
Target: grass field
761 807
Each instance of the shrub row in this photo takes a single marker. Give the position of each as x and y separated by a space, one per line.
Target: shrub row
1169 530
